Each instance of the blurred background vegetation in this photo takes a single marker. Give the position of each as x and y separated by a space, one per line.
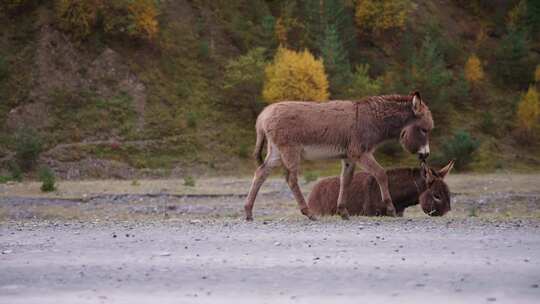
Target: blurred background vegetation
94 88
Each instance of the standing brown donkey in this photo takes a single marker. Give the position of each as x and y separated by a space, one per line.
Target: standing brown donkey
346 130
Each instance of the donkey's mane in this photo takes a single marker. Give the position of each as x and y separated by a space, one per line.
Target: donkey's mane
383 105
404 173
392 98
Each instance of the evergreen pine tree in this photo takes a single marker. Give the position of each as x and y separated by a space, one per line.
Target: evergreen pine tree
336 61
513 66
320 14
533 16
330 31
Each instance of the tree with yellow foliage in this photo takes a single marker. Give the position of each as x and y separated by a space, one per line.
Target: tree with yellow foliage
134 18
295 76
537 74
474 73
528 113
376 16
144 14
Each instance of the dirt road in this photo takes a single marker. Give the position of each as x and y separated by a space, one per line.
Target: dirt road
195 249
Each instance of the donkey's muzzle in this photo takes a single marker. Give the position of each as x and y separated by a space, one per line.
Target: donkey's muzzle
423 153
423 156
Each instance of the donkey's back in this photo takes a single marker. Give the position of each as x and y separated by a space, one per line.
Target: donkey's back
364 193
307 123
323 197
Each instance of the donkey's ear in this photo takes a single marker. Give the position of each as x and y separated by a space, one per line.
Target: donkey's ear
444 171
427 173
416 103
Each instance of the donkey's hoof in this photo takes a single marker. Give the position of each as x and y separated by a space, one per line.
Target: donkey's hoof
391 212
390 209
344 213
249 213
307 212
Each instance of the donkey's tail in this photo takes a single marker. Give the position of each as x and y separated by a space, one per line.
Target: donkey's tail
261 138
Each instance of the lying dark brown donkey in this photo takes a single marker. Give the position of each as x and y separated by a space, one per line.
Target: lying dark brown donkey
408 187
344 130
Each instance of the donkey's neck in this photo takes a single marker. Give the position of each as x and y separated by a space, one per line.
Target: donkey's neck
381 118
406 185
394 116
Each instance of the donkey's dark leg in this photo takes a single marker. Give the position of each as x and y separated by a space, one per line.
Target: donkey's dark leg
347 173
369 163
290 157
372 197
261 174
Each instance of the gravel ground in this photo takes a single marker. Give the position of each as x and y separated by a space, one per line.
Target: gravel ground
405 261
177 247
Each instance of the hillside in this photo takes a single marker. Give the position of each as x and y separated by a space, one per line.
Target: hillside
110 104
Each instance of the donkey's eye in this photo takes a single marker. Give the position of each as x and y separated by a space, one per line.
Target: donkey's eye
423 130
436 197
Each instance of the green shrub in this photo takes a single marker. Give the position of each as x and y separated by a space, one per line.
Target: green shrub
488 125
460 90
460 148
310 176
243 81
15 171
4 69
4 179
243 150
16 6
77 17
189 181
204 49
27 148
192 119
131 18
47 178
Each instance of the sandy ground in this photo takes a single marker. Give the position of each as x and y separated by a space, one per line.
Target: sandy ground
104 242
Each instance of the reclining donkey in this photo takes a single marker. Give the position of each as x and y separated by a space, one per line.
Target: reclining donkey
408 187
346 130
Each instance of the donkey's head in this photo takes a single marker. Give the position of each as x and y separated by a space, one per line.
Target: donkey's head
435 200
414 136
